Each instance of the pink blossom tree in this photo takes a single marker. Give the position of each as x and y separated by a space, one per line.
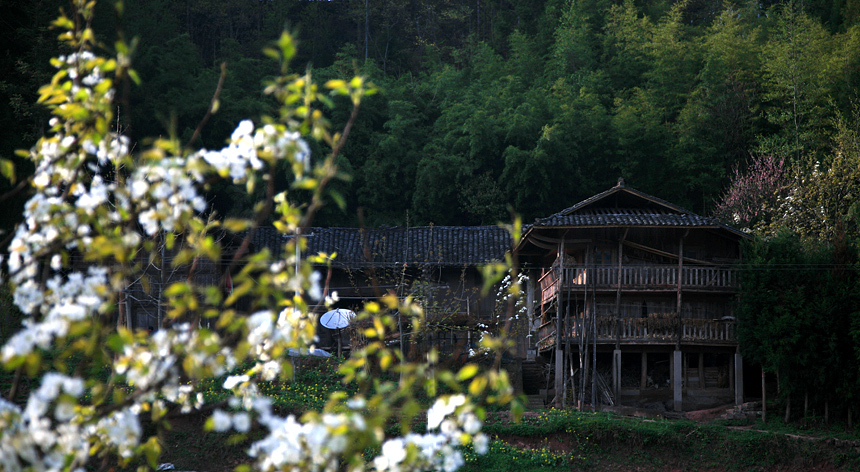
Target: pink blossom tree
756 198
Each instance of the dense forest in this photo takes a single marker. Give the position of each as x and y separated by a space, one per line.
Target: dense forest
487 105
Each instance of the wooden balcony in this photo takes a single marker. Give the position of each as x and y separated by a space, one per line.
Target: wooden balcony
652 330
638 278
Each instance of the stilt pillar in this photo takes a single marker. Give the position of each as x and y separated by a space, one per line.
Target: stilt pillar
616 372
559 377
677 384
739 379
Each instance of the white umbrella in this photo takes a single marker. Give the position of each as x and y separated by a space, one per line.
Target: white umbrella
337 319
306 352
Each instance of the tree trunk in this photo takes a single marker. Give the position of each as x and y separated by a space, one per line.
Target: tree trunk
787 410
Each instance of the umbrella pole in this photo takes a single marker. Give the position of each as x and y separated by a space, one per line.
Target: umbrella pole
338 343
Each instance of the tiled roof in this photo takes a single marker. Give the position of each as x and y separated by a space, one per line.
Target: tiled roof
627 217
630 195
425 245
625 206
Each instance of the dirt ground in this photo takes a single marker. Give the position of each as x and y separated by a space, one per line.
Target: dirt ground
190 450
666 461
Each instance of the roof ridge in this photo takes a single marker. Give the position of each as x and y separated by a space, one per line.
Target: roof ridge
620 187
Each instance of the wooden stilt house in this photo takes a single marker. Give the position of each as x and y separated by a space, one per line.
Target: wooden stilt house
634 300
435 265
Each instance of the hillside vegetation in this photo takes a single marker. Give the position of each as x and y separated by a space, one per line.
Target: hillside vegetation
491 104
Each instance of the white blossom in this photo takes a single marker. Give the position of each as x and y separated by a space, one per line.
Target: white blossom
221 421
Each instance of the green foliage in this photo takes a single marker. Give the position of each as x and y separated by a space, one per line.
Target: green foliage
797 62
564 440
796 311
491 104
827 200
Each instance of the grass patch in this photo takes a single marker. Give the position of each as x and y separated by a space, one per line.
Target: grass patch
604 441
309 389
503 456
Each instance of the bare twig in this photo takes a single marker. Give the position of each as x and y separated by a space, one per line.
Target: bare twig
15 191
212 105
13 391
316 201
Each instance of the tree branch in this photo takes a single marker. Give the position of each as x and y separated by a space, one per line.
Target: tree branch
212 105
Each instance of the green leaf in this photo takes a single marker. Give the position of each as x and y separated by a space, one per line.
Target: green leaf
7 169
63 23
287 46
115 342
177 289
467 372
517 410
273 53
134 77
306 184
338 199
33 363
236 225
477 386
152 451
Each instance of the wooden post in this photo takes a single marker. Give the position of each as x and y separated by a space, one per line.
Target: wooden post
567 377
677 393
530 304
701 370
593 312
568 371
559 335
739 379
680 277
616 372
618 291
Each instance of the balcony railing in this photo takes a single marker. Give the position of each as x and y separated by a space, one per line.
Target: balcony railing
653 277
651 330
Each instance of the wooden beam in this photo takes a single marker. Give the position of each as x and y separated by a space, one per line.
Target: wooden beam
542 245
556 241
680 276
666 254
618 293
559 335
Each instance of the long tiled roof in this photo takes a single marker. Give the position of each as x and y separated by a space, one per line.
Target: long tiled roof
627 217
625 206
424 245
